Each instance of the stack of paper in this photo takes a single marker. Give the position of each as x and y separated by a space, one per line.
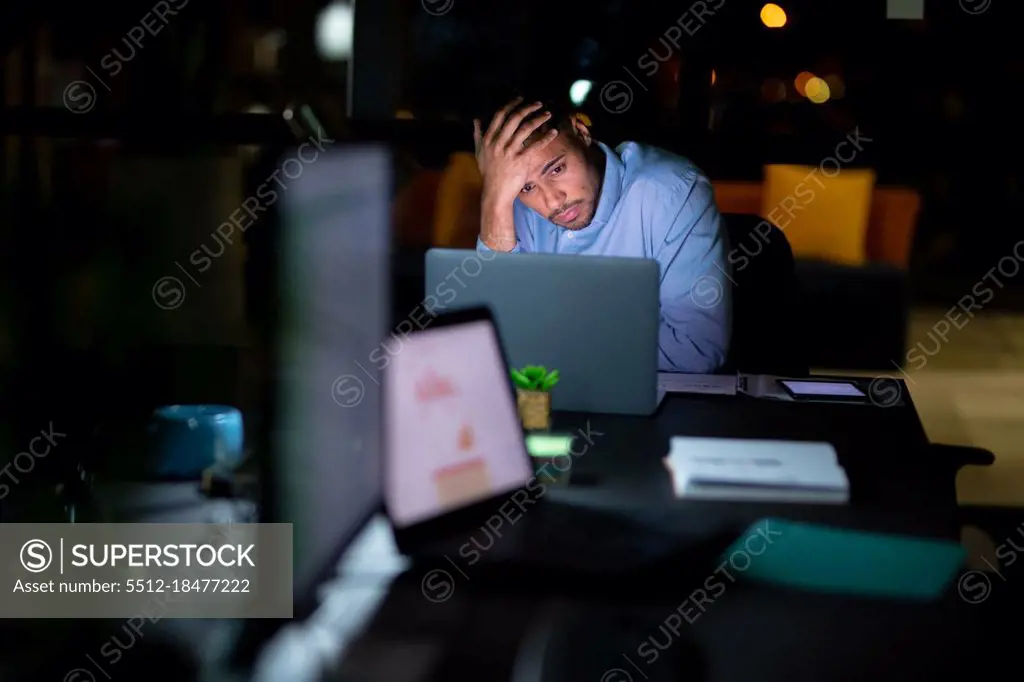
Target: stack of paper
762 386
757 470
708 384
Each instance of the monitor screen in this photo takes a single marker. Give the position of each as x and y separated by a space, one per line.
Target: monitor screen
453 435
326 469
824 388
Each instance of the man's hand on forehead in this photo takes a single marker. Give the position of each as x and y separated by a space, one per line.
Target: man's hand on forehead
515 123
506 148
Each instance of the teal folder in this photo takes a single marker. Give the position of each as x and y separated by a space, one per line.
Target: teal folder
840 561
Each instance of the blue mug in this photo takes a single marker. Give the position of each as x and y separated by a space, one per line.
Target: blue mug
186 440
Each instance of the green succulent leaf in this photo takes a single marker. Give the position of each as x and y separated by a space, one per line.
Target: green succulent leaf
534 373
521 380
549 381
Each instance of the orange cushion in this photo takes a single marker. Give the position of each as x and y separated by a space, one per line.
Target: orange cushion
823 217
738 197
457 219
892 223
414 208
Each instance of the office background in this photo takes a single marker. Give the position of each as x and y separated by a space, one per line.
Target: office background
130 131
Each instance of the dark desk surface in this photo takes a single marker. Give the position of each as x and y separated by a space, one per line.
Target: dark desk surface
885 451
388 628
751 633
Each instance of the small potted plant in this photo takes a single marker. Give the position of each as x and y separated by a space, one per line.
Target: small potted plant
533 395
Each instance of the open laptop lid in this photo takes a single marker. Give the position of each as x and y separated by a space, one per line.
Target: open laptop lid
453 441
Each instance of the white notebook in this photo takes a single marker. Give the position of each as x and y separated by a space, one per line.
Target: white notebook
731 469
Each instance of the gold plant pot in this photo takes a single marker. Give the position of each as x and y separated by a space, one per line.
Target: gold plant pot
534 409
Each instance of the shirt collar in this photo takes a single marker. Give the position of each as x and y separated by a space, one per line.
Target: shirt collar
611 188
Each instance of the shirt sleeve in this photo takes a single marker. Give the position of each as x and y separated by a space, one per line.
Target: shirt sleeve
691 247
480 246
525 242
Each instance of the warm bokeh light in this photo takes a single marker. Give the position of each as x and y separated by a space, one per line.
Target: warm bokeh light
800 82
404 114
713 77
836 86
817 90
773 16
584 119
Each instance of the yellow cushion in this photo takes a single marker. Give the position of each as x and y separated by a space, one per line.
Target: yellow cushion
823 217
457 217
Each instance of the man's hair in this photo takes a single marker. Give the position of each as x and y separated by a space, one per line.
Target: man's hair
561 115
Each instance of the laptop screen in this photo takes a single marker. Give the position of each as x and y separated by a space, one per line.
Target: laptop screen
453 435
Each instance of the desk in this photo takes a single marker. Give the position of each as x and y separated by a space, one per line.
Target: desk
377 625
884 450
881 449
750 633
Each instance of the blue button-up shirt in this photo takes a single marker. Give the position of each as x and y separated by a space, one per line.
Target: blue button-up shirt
656 205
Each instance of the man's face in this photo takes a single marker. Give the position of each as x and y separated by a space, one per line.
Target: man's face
564 184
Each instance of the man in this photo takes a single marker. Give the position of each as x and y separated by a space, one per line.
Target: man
548 187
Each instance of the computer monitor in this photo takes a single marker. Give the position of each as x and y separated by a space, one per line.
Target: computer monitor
324 470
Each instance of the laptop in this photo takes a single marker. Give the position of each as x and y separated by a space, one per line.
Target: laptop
459 485
594 319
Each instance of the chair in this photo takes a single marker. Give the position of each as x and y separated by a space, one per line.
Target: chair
860 312
766 317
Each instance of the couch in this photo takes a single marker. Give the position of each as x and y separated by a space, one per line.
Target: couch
856 316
